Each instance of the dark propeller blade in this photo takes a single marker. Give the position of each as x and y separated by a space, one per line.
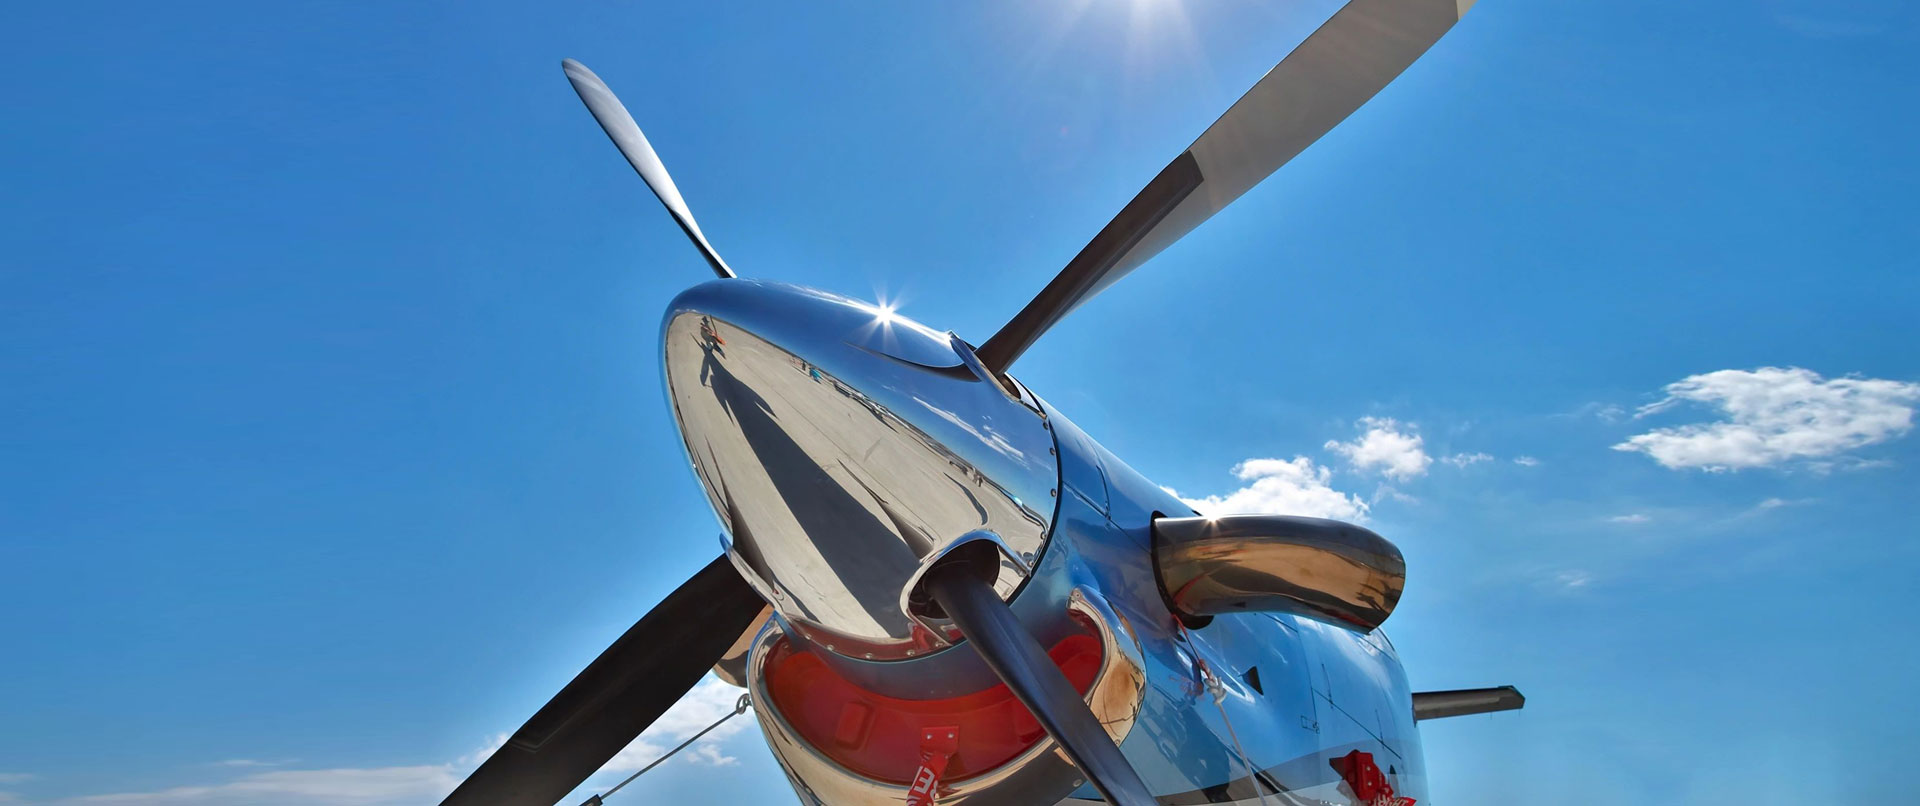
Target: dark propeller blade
1023 665
633 145
618 695
1365 45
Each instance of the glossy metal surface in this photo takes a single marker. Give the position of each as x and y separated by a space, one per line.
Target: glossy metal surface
1295 693
843 446
732 667
1323 569
917 601
1040 775
619 126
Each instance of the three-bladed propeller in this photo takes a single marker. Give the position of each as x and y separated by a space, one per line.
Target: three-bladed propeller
1348 60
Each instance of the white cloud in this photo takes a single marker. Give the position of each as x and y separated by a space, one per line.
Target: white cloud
986 434
407 786
1464 459
702 706
1526 461
1773 416
14 778
1770 504
1282 487
1384 492
1573 580
1847 463
338 787
474 758
704 753
1384 446
1605 412
1630 518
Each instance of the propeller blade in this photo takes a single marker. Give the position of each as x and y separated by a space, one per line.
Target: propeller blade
617 696
1365 45
633 145
1023 665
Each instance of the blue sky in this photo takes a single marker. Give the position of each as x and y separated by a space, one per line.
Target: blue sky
332 440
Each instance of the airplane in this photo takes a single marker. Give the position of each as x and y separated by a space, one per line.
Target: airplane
936 589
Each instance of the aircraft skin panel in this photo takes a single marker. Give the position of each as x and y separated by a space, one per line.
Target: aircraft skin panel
1322 692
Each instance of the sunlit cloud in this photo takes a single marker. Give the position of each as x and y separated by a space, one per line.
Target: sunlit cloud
1387 446
1772 416
1387 493
699 708
1282 487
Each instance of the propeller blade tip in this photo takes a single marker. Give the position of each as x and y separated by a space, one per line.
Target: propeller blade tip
576 71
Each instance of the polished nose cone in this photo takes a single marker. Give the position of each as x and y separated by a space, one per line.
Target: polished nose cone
845 448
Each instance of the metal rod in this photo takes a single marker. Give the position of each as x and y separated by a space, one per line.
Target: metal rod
738 709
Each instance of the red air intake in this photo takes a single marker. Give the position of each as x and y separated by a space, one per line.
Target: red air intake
880 737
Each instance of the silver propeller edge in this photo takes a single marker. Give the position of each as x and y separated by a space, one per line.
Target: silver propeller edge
1360 49
618 123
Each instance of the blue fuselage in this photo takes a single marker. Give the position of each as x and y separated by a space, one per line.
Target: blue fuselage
1251 704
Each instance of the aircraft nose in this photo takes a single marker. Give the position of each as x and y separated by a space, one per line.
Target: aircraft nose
844 448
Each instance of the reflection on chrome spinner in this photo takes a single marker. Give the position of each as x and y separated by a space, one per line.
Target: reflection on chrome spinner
845 447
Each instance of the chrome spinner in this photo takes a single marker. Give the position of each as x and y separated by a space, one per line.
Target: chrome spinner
846 448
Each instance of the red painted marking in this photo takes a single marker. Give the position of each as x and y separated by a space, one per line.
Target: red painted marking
937 746
1370 785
